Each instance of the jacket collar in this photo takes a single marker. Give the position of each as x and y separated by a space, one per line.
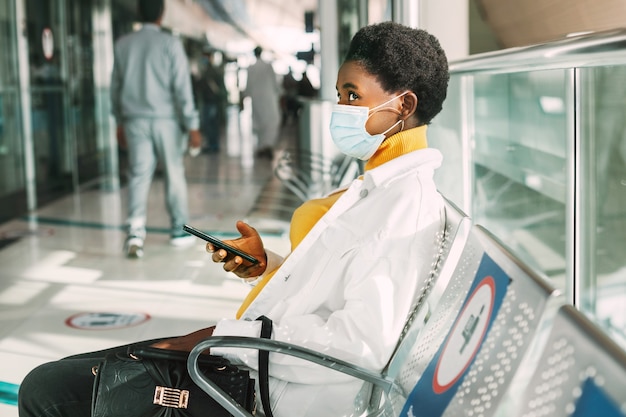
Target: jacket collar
414 156
399 144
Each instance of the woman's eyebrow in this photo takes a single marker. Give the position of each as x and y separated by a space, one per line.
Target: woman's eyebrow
349 85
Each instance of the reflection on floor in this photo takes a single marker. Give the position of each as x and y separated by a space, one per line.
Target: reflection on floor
66 287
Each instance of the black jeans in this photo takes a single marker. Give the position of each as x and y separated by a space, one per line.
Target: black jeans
63 388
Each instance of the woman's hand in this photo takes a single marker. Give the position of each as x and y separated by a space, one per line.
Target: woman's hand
249 242
185 343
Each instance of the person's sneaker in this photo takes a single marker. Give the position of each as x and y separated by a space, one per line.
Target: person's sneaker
181 239
133 246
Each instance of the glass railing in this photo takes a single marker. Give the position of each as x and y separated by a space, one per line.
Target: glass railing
534 141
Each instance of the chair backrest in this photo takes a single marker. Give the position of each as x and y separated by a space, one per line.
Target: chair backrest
581 372
469 350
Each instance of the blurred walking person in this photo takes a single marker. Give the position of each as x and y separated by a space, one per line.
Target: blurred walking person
263 89
213 99
152 101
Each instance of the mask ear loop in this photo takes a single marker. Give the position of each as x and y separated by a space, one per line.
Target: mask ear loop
394 125
375 109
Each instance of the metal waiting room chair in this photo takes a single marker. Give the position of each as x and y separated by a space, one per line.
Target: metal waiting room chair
447 252
470 351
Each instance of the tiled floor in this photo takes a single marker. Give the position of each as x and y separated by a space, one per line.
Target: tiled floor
66 287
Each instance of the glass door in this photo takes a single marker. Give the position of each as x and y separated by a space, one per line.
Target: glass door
89 154
12 172
54 154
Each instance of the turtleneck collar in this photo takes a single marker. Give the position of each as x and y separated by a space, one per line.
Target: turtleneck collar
399 144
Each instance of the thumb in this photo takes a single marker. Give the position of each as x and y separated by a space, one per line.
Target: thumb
246 230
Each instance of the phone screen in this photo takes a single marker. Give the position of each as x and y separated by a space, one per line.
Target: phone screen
220 244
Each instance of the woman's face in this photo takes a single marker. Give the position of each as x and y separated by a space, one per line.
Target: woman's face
357 87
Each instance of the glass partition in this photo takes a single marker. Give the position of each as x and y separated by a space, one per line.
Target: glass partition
89 153
534 144
604 121
520 164
53 144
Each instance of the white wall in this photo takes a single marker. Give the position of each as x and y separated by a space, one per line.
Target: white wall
448 20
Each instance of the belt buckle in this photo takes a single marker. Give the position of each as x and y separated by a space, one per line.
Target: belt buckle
171 397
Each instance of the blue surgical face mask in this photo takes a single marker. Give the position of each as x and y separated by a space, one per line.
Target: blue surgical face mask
347 128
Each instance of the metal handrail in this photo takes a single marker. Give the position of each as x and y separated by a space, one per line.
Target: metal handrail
586 50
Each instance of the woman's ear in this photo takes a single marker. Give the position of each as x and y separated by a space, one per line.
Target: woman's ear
409 104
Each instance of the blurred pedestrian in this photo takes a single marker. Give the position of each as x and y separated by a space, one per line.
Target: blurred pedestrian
152 100
212 98
264 92
305 88
290 102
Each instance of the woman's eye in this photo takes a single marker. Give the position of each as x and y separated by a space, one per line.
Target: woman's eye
348 97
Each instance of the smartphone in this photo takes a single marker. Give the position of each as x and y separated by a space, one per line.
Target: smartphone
220 244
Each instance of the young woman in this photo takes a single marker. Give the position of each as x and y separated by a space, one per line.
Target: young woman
359 256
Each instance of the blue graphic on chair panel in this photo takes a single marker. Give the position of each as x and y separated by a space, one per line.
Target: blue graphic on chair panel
441 379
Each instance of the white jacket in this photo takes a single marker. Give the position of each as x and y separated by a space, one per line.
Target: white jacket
347 288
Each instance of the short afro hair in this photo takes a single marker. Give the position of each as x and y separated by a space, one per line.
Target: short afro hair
403 58
150 10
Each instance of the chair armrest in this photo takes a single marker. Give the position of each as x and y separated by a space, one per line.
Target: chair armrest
277 347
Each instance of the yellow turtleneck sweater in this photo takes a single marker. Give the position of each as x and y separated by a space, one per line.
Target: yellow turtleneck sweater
305 216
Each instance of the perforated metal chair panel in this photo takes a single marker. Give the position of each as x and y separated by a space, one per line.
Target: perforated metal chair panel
485 381
581 372
439 324
528 307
